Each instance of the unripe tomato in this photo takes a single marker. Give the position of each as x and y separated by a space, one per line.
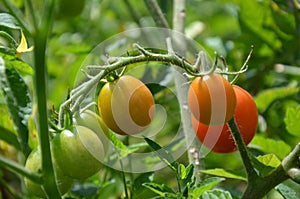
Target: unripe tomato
70 8
211 99
126 105
78 153
219 138
92 121
34 164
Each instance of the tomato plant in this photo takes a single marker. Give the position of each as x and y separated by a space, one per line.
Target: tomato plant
126 105
219 138
33 163
78 153
212 99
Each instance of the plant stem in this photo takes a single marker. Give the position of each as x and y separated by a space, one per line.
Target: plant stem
15 167
258 187
40 82
251 174
179 16
156 13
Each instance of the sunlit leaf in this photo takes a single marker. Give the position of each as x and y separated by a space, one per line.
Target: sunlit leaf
264 99
206 185
268 145
160 189
223 173
266 164
216 194
292 119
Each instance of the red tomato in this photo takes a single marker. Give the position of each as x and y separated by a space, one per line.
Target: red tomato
212 99
219 138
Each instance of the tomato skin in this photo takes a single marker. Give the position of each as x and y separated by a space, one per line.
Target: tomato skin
212 99
78 153
219 138
34 164
94 122
126 105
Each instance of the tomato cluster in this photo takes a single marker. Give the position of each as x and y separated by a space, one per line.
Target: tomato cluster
213 95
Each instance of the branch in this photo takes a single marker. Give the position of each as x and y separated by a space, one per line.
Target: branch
251 173
156 13
15 167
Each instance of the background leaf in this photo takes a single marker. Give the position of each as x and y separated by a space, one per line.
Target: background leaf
216 194
206 185
286 191
18 100
223 173
268 145
292 119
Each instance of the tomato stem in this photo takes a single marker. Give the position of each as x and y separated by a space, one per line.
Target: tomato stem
251 173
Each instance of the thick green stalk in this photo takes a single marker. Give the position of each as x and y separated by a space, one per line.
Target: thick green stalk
40 82
41 97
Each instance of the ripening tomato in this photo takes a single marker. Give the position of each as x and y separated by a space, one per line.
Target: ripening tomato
126 105
34 164
219 138
78 153
211 99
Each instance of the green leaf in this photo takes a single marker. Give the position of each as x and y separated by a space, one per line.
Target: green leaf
85 190
8 21
265 98
268 145
9 137
216 194
266 164
223 173
286 191
182 171
162 153
18 64
123 150
206 185
138 182
160 189
292 119
18 100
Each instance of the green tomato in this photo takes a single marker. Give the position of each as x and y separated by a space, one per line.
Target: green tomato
78 153
69 8
34 164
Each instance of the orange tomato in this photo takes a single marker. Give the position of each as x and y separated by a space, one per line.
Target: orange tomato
211 99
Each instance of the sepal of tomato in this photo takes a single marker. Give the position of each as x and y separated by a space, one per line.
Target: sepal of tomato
78 153
34 164
212 99
126 105
219 138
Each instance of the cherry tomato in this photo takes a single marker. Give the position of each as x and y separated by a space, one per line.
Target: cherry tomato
34 164
126 105
92 121
211 99
78 153
219 138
